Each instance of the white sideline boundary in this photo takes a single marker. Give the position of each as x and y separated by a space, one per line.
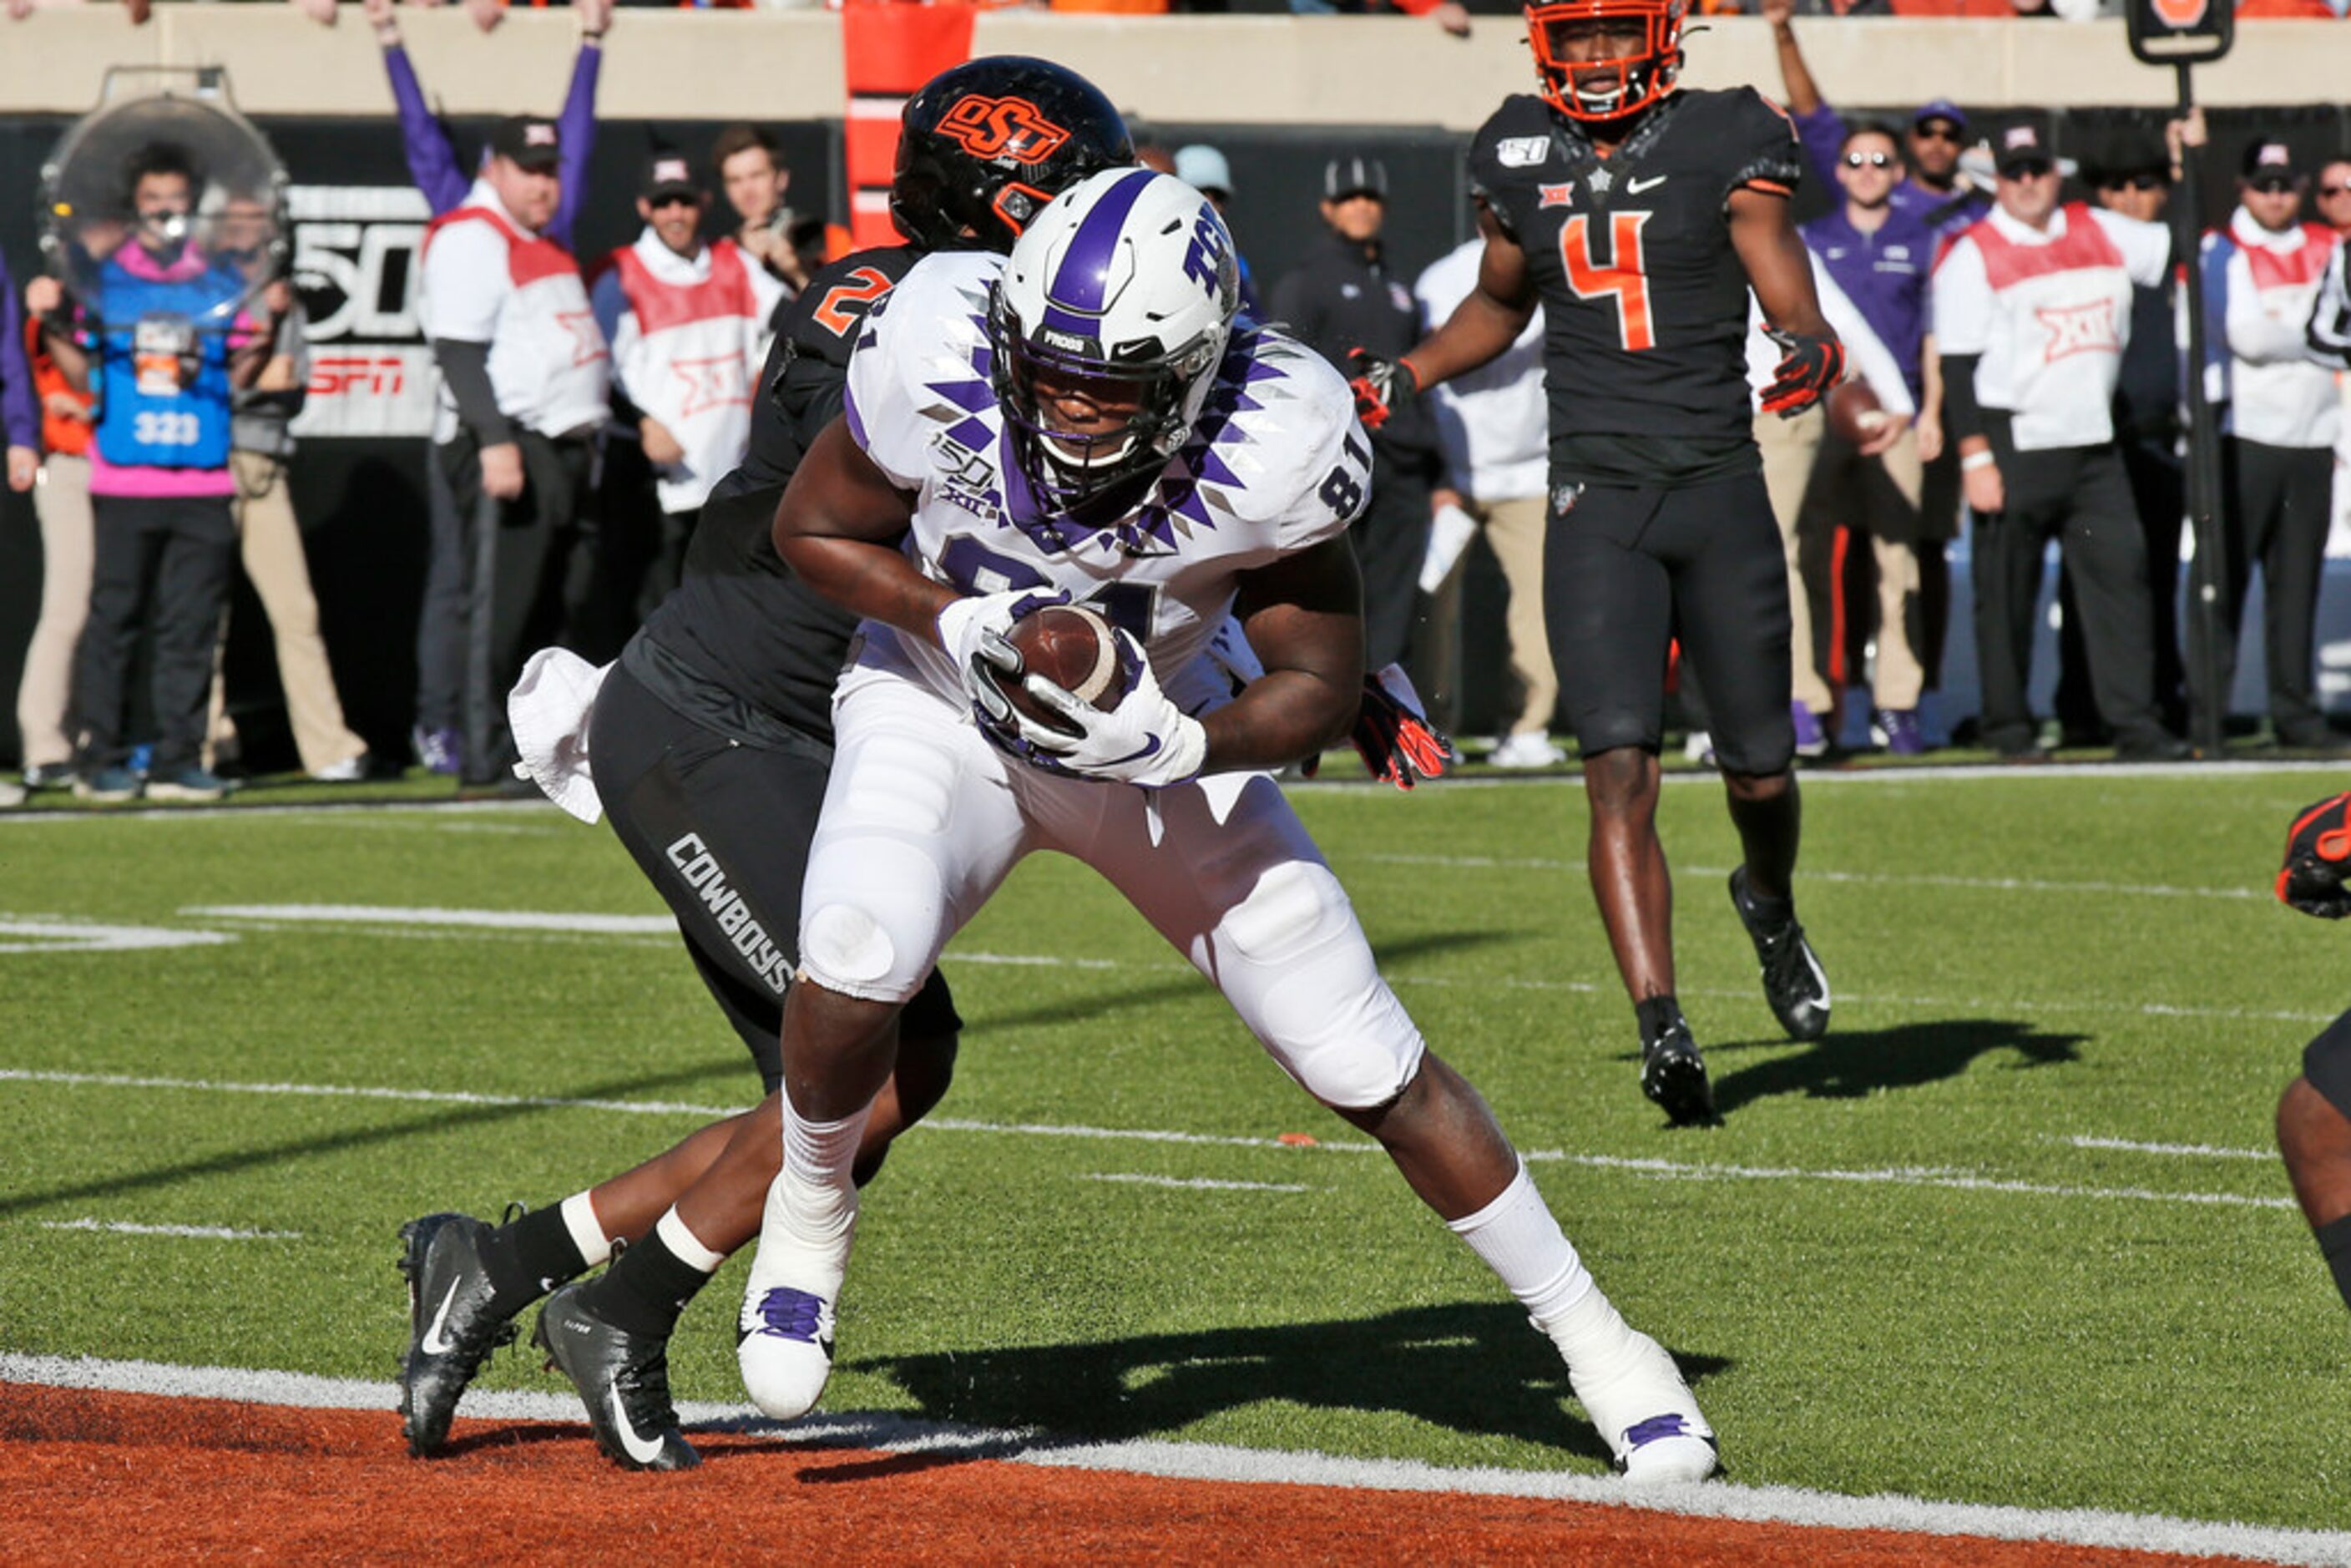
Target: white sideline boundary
192 1232
1218 1462
1676 1170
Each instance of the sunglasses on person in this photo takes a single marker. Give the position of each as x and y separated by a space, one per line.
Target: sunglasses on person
1869 160
673 199
2133 182
1935 131
2271 186
2033 169
2328 193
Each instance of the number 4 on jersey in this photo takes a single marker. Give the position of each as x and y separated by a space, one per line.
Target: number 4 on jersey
1622 278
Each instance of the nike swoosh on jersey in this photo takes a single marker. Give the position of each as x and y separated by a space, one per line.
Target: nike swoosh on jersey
434 1344
645 1450
1634 187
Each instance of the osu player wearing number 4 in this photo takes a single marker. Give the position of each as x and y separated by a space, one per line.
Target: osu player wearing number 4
1638 216
1088 420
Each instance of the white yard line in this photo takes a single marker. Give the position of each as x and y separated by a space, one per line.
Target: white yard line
195 1232
1194 1184
1809 873
2194 1151
1215 1462
463 919
424 921
66 934
1897 1176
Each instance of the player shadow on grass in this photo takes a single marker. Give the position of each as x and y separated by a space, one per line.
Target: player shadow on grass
1850 1063
1473 1368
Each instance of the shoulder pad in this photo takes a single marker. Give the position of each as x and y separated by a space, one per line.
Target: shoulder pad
1516 142
823 319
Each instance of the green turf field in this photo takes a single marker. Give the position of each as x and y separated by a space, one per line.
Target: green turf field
1915 1259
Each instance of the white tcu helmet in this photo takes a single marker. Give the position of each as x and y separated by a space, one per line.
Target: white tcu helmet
1128 279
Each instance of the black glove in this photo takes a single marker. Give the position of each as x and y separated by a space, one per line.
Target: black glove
1812 366
1394 738
2317 854
1381 386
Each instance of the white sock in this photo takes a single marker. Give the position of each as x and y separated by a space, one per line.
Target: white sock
1520 1241
818 1160
684 1245
587 1230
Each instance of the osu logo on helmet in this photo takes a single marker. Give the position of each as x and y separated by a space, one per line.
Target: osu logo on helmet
1002 127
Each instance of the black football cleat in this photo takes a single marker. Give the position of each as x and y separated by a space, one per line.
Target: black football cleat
452 1322
1674 1074
623 1379
1793 982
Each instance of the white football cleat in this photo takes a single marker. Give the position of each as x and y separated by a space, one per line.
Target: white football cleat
1647 1415
783 1347
783 1337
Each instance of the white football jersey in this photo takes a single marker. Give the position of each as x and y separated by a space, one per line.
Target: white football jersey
1276 463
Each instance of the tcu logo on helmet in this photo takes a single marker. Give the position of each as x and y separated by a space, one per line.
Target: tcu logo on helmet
1206 259
1002 127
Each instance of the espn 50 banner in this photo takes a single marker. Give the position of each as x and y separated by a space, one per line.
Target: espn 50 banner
355 265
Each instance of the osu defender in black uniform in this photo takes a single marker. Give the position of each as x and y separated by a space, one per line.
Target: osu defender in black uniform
1638 218
711 742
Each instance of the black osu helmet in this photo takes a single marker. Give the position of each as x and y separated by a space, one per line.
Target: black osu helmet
984 146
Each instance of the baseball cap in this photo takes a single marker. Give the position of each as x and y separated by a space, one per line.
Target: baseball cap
2266 159
668 174
1204 168
1344 177
1941 108
2018 146
529 141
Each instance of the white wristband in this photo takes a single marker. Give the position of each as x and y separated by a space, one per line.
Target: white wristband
1983 459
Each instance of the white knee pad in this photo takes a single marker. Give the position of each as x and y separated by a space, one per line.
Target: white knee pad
1292 960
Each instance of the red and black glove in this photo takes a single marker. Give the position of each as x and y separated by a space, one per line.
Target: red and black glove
1810 368
1394 738
2317 854
1381 386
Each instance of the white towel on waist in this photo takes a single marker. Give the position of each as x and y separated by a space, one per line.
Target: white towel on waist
548 711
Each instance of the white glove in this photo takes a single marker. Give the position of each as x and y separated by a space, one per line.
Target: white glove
1146 739
972 630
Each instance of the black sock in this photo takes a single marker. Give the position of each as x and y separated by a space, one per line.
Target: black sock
1657 1015
645 1290
2334 1241
531 1255
1766 911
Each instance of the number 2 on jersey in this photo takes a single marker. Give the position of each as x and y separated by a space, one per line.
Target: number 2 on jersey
863 284
1622 279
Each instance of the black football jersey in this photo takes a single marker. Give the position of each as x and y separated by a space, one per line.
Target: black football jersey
740 617
1644 299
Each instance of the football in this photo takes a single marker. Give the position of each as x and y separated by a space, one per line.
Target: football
1854 412
1072 646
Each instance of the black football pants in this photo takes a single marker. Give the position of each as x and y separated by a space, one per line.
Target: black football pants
1629 569
720 826
161 564
2081 495
2277 501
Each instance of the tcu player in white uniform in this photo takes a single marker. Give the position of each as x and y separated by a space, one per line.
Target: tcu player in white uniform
1091 424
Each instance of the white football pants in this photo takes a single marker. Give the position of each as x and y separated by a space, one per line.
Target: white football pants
924 819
